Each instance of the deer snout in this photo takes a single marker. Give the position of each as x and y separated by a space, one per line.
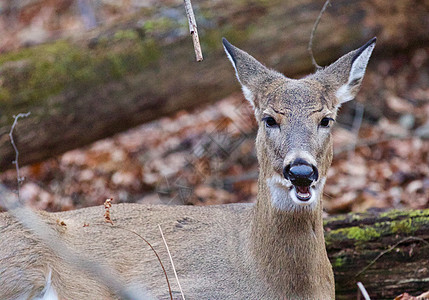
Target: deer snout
301 173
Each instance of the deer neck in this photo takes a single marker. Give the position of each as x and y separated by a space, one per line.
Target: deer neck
288 247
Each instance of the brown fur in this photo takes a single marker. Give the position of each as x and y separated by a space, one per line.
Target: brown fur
237 251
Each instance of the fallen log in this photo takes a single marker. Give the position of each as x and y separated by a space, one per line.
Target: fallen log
388 252
83 89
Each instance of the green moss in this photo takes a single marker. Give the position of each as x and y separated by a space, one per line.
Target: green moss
334 218
357 234
162 25
128 34
15 55
339 218
409 225
47 70
401 226
392 214
149 52
339 261
362 234
401 213
211 40
400 222
149 26
5 95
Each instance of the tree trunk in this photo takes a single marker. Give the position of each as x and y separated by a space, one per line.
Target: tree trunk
82 90
388 252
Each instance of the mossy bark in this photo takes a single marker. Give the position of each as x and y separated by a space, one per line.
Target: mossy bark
82 90
388 252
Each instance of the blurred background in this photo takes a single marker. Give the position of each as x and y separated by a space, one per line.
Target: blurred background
120 109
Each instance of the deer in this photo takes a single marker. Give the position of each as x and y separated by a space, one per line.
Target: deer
272 249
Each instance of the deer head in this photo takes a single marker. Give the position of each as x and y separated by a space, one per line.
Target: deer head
295 117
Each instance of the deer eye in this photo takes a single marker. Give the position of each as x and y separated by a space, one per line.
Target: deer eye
270 122
325 122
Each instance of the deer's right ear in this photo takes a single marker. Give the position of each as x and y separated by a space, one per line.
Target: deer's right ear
250 72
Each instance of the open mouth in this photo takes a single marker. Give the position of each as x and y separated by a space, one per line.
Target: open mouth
285 195
303 193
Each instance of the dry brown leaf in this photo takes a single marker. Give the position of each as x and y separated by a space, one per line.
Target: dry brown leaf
107 206
398 104
62 223
405 296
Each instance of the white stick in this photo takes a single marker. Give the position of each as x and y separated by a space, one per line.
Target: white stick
171 260
193 29
15 121
363 291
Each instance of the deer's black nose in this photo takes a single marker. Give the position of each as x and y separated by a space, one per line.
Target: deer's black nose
301 173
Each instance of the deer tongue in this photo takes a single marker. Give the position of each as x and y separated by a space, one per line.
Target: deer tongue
303 192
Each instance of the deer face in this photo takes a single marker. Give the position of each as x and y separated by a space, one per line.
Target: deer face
294 137
295 117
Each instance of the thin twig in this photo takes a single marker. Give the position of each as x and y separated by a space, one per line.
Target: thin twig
193 29
363 291
15 121
313 31
154 251
390 249
108 219
172 264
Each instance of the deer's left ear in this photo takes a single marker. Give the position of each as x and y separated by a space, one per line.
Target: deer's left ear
348 71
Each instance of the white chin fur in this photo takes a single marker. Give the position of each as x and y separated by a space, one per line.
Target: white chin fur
283 194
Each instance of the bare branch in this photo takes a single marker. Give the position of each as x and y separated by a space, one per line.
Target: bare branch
410 238
15 121
313 31
193 29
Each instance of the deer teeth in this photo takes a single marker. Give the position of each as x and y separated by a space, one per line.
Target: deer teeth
303 193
